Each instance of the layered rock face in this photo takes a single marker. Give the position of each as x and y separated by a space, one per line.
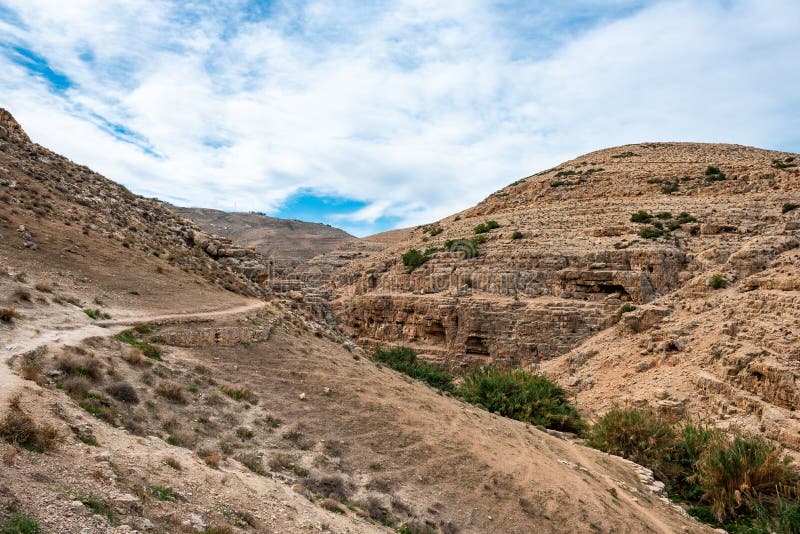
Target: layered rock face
570 285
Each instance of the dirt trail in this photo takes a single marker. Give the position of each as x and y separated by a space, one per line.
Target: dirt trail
57 331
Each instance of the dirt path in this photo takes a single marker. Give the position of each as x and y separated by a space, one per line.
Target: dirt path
60 330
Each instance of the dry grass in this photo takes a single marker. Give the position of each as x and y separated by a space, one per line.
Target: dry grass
172 392
173 462
252 461
211 458
19 429
43 287
9 456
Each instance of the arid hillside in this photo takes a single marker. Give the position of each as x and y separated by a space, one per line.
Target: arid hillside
151 382
662 273
289 242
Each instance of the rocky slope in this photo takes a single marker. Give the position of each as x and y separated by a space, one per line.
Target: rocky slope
288 242
612 308
170 402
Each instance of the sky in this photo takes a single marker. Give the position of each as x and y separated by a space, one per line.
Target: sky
373 115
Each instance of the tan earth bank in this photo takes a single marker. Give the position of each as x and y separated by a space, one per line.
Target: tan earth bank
186 394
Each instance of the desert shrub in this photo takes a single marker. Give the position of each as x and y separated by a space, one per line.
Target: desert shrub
43 287
332 505
627 308
521 395
714 174
19 524
240 394
7 315
486 227
97 506
669 188
404 360
517 235
638 434
718 282
641 216
127 336
161 493
218 529
93 314
627 154
18 428
684 218
413 259
244 433
172 392
663 215
123 392
279 460
144 328
651 232
738 475
252 461
331 486
86 367
22 295
211 458
789 206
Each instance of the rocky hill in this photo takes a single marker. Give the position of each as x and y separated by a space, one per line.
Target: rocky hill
287 241
143 388
663 273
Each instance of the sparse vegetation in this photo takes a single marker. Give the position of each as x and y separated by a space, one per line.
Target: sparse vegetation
522 396
789 206
670 187
641 216
627 154
404 360
7 315
252 461
19 524
487 226
149 351
627 308
718 282
240 394
651 232
172 392
173 462
123 392
517 235
714 174
97 506
19 429
786 163
161 493
413 259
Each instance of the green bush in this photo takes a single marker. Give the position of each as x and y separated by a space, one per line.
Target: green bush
404 360
517 235
785 164
19 524
670 188
640 435
789 206
413 259
784 520
486 227
663 215
127 336
718 282
641 216
714 174
521 395
627 308
651 232
741 475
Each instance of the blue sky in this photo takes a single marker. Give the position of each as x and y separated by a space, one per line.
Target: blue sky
376 115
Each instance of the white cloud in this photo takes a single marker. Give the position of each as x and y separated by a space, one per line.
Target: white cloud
416 109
